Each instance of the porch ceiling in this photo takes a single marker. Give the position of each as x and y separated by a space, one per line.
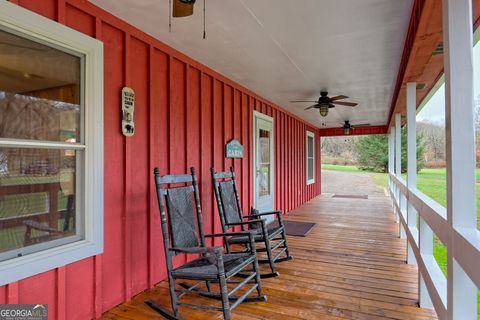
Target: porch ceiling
290 50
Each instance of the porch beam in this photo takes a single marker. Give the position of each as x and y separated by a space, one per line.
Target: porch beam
460 149
411 164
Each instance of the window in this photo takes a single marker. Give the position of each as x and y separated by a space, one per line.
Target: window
310 157
51 144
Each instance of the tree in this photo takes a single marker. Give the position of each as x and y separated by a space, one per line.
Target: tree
372 152
434 140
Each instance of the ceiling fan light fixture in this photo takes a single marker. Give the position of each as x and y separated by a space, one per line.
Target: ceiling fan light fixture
323 109
182 8
347 128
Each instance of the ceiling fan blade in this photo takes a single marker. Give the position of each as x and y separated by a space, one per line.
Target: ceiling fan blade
348 104
295 101
340 97
312 106
181 9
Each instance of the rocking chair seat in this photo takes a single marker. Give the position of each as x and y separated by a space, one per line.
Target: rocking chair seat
204 268
272 232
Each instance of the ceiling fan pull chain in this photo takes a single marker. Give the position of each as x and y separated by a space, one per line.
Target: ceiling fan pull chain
169 15
204 32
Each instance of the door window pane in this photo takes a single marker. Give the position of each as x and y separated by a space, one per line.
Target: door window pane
264 146
264 180
264 170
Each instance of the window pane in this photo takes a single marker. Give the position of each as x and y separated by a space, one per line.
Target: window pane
310 146
310 169
37 196
39 91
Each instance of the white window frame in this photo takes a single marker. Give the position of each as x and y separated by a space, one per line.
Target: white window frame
310 134
46 31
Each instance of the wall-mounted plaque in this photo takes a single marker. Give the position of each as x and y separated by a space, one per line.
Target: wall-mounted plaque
234 149
128 111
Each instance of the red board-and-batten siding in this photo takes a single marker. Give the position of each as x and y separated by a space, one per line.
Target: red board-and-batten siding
169 136
356 131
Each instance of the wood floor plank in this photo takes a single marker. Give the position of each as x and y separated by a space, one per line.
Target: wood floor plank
350 266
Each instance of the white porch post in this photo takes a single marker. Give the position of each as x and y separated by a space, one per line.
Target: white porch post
391 168
390 159
398 168
411 163
460 149
398 144
394 186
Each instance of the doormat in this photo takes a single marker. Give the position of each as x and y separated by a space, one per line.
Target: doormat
296 228
351 196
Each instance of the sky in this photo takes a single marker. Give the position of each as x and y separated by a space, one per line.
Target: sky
434 110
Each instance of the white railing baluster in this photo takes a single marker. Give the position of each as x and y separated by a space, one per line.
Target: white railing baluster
426 249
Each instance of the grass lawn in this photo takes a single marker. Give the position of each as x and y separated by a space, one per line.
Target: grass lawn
431 182
340 168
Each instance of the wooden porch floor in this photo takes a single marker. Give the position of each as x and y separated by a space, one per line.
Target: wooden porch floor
351 266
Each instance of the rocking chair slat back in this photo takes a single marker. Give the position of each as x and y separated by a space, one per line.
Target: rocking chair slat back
229 202
181 214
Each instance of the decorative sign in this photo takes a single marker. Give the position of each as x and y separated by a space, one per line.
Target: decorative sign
234 149
128 109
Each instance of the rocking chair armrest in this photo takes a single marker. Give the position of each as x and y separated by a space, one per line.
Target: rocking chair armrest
250 235
245 222
276 212
202 250
226 234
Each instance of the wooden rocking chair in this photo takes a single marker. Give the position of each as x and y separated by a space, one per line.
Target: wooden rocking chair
272 237
182 228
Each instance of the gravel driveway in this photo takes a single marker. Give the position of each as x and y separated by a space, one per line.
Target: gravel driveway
349 183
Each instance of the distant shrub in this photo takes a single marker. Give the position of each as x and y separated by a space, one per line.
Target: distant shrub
372 152
436 164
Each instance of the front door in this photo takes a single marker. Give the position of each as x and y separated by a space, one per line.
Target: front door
263 163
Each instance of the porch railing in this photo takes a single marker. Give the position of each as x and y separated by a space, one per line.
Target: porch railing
420 218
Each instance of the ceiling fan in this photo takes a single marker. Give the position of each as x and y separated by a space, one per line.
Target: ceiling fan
324 102
347 127
184 8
